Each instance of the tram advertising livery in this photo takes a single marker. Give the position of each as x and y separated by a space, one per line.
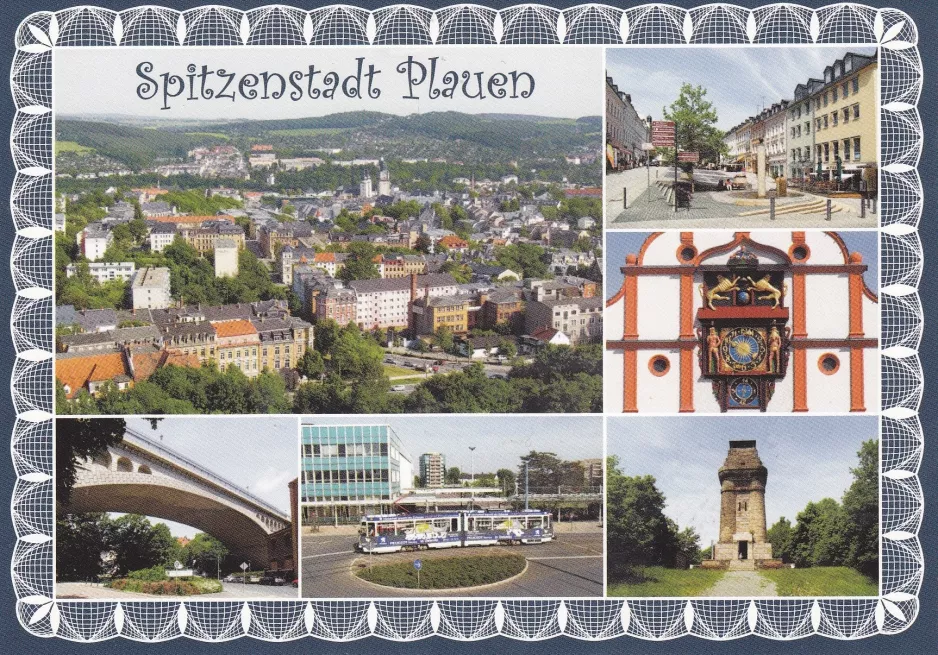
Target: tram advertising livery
391 533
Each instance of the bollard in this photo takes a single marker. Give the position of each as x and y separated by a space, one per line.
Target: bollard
772 209
828 217
873 206
625 198
862 207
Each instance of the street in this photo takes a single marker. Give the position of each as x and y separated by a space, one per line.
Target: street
570 566
229 590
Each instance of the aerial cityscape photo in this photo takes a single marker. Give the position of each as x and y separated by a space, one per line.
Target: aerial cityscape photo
765 137
437 251
428 506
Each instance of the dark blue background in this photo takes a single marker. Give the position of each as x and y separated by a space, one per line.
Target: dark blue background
921 637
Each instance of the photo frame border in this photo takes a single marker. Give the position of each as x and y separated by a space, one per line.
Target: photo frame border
32 383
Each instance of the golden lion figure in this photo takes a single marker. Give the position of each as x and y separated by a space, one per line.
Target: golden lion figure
723 285
769 292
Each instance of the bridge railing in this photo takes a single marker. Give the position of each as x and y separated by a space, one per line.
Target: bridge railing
166 453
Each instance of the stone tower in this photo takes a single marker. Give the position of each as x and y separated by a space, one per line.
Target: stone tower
743 539
365 189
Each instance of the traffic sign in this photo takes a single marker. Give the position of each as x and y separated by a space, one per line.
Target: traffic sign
662 133
244 566
418 564
689 156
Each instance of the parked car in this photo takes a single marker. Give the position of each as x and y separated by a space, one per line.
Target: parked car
399 387
739 181
229 578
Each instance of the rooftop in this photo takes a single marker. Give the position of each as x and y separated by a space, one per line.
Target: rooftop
236 328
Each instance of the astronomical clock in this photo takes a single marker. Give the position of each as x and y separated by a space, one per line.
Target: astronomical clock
743 330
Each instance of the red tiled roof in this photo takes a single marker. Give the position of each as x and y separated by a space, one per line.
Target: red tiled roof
544 333
238 328
76 372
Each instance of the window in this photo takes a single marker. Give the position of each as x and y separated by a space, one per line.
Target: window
834 94
825 121
856 149
846 149
846 114
817 124
828 363
818 149
856 85
834 118
659 365
844 88
807 127
856 111
836 150
825 98
827 152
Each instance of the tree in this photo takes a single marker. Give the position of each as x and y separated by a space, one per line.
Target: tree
360 264
779 535
861 509
696 120
137 544
311 364
687 545
79 440
506 480
546 472
818 537
205 552
452 475
327 333
80 541
268 394
638 532
507 348
423 244
524 258
356 356
444 339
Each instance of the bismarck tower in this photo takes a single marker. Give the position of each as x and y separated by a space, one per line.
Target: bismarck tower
743 543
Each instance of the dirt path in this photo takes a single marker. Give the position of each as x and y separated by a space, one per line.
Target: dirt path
743 584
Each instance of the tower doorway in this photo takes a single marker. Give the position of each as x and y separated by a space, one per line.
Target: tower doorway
743 549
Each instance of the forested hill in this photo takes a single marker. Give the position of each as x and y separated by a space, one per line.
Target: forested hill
450 135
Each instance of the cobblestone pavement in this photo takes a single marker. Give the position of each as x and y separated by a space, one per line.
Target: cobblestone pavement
744 584
711 209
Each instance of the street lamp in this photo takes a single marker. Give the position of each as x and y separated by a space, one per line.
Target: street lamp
472 477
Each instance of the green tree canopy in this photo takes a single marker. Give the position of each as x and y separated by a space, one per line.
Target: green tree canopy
695 118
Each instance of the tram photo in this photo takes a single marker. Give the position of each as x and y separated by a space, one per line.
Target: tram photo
392 533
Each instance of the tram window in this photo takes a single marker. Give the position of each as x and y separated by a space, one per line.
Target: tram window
454 526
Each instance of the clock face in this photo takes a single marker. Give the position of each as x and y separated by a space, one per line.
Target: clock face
743 348
743 393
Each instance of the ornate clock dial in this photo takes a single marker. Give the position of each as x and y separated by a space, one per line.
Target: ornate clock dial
743 349
743 391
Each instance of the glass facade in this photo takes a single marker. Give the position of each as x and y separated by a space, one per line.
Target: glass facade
351 469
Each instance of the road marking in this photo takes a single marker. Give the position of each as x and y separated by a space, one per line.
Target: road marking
536 559
341 552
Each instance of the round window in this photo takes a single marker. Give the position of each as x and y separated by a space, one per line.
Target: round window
828 363
659 365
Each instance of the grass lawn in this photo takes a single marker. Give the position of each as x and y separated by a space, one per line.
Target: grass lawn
446 573
71 146
398 371
821 581
658 581
416 380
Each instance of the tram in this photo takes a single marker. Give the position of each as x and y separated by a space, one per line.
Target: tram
392 533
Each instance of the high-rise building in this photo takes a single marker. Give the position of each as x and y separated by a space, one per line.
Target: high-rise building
432 469
351 470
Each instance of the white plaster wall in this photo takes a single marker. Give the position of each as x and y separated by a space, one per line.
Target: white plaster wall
828 393
871 318
659 306
659 394
704 400
614 320
613 369
784 397
827 306
872 379
824 249
661 251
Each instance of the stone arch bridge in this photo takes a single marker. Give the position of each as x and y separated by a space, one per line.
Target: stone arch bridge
141 476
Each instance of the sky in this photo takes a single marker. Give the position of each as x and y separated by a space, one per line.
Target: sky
808 459
500 441
92 81
620 244
258 454
740 82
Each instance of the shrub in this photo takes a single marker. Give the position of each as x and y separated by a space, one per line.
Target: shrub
152 574
446 573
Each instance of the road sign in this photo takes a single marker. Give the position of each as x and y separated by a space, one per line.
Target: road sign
244 566
647 146
688 156
418 564
662 133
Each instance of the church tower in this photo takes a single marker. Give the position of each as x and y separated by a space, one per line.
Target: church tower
365 189
384 180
